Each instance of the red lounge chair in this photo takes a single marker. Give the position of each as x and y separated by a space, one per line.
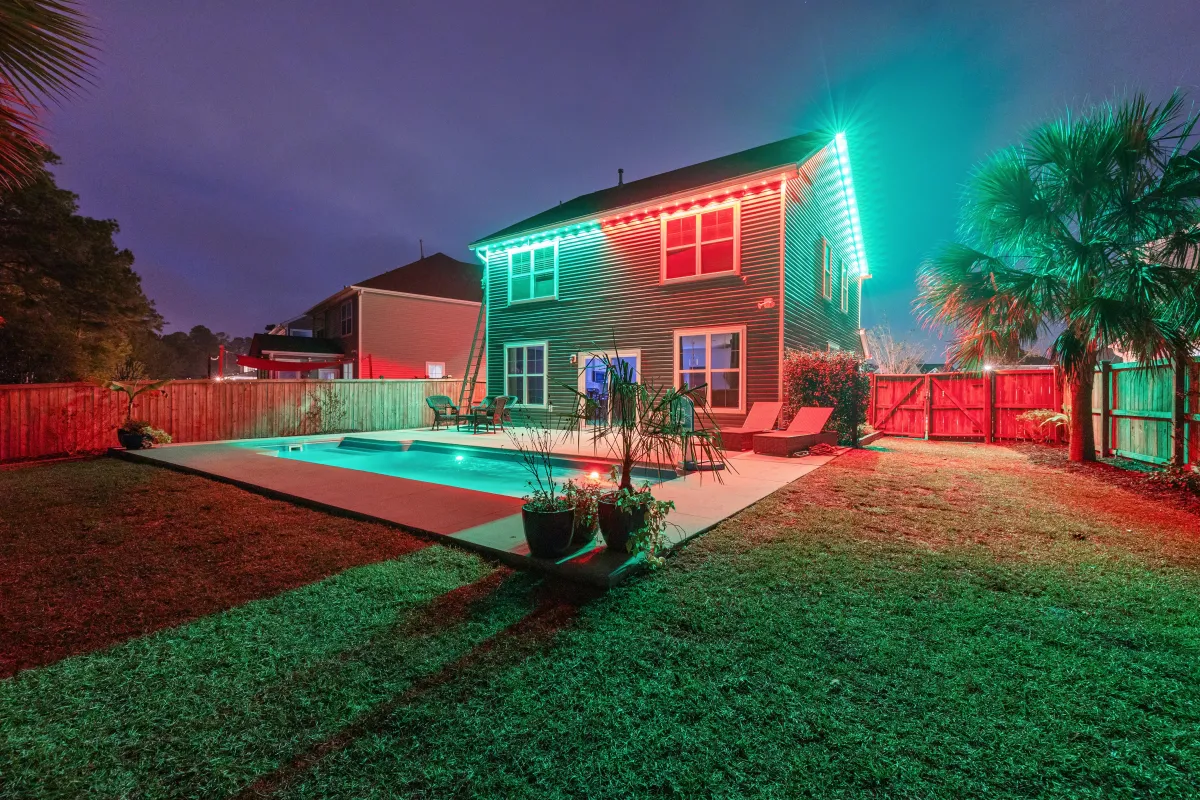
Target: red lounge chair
803 433
761 418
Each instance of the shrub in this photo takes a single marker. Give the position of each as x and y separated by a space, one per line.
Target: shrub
833 379
1040 424
1176 479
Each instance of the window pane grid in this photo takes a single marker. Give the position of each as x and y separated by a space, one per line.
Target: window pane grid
532 274
525 373
699 244
712 360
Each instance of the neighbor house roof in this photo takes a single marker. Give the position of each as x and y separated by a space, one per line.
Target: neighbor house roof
274 343
437 275
795 150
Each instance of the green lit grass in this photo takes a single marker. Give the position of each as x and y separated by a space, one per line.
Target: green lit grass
925 621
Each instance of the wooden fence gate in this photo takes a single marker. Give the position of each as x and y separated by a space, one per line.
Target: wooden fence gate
962 405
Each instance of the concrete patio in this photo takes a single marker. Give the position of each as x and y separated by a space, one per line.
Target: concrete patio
487 523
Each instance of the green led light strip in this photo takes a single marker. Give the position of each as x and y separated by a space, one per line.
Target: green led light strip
860 252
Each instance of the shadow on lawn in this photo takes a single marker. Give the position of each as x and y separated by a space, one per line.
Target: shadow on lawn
556 606
219 703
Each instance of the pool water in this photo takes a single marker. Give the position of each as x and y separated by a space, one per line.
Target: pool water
481 469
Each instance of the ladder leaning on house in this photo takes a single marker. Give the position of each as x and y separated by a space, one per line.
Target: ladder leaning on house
466 394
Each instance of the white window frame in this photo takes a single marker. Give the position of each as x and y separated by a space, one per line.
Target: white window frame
545 372
826 287
700 276
708 370
844 283
429 365
529 249
346 318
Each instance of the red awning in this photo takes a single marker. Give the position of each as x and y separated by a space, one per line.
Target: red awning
288 366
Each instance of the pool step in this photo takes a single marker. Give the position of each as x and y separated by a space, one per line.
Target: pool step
358 443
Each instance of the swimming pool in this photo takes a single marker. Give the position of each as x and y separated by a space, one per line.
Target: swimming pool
481 469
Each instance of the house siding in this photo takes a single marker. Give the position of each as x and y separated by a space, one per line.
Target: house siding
815 208
331 314
610 296
401 333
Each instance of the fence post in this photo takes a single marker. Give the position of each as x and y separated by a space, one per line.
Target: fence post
1106 405
989 406
928 404
871 410
1179 408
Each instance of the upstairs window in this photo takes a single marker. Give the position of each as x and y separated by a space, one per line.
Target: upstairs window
824 268
347 318
533 273
844 280
700 244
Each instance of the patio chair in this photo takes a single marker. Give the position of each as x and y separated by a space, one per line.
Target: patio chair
761 418
489 417
804 431
444 410
468 418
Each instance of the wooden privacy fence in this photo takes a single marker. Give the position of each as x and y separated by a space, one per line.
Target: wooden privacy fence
1133 406
62 418
1133 411
962 405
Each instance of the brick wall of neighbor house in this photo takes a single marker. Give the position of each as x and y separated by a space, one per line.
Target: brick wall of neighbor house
609 287
816 208
401 333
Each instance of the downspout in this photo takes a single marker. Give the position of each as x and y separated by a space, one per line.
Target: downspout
487 328
358 327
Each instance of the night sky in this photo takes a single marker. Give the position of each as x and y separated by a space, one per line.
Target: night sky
261 155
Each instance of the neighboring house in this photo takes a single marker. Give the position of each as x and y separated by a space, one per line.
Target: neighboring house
702 275
415 321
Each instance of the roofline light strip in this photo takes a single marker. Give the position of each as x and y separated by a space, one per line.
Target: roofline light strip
843 157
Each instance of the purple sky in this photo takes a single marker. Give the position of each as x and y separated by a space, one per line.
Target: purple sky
260 155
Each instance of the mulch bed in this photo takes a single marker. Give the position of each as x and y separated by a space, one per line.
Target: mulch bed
1121 473
96 552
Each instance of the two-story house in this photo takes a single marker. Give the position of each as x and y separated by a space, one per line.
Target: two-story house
415 321
702 275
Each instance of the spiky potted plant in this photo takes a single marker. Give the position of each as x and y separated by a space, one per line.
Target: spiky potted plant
661 427
559 518
134 434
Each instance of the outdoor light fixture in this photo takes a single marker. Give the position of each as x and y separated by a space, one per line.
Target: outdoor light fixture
843 156
458 458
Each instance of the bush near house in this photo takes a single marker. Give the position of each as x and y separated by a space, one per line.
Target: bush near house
831 379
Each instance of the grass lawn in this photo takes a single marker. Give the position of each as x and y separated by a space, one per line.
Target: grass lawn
914 620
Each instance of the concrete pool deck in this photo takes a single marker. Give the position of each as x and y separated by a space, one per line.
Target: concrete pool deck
486 523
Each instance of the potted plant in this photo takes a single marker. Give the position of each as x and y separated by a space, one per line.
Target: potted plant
134 434
652 425
558 518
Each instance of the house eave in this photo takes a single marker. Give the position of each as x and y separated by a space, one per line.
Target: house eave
790 166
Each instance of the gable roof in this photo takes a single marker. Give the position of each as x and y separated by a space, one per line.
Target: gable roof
794 150
274 343
437 275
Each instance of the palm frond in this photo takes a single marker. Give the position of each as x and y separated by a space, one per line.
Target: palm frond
46 48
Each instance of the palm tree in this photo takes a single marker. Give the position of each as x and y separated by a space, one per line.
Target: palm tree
45 55
1086 230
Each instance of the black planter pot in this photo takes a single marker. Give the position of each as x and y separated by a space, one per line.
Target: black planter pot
616 524
131 440
552 534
